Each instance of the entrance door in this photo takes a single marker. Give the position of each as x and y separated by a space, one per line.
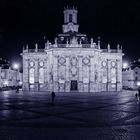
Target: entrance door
74 86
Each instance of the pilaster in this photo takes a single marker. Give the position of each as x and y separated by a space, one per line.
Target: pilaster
36 75
55 73
67 82
80 82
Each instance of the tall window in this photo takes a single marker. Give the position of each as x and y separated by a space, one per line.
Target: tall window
41 75
31 76
113 75
70 18
104 77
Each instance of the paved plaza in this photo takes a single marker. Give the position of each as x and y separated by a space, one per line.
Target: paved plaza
73 116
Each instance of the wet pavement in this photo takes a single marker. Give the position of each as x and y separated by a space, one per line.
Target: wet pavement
73 116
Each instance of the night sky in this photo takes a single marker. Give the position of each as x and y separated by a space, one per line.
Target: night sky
28 21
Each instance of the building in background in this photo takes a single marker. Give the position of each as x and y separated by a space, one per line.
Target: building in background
8 76
131 76
72 63
0 78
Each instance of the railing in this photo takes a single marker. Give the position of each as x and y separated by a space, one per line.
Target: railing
33 50
111 50
74 46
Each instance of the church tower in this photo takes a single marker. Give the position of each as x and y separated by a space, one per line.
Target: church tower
70 20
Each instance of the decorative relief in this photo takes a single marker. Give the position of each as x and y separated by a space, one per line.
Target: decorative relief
104 64
62 60
113 63
86 60
73 61
41 63
32 64
74 71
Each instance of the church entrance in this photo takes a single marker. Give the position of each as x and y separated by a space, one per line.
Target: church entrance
74 85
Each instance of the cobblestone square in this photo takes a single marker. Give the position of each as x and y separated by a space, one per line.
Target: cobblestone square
73 116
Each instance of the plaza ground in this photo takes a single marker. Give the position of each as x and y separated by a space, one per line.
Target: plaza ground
73 116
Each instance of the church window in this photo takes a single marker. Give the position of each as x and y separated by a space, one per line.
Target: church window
70 18
31 76
41 75
104 77
113 75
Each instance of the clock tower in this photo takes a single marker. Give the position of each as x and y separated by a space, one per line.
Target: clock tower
70 20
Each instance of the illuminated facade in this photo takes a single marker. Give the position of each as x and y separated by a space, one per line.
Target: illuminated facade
131 76
72 63
10 78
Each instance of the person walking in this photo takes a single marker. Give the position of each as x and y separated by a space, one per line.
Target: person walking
138 95
53 96
17 89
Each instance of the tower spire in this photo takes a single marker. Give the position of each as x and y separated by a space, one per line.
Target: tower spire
70 20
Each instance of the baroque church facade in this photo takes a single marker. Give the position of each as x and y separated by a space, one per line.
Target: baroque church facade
72 63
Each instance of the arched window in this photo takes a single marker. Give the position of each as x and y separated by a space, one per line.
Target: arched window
41 75
31 76
70 18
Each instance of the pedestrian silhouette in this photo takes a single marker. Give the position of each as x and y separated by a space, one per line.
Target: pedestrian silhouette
53 96
137 95
17 89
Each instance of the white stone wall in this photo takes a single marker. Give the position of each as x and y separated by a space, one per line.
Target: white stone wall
63 65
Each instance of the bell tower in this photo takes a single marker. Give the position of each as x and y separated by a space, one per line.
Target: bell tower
70 20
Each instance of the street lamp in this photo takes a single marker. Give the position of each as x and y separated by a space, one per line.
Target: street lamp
16 67
6 83
138 84
125 65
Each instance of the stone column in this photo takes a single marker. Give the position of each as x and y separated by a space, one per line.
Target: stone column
48 73
108 74
97 72
25 74
100 75
36 75
55 73
67 82
80 82
45 75
119 74
92 74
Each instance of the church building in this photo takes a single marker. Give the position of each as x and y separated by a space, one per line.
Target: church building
72 63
